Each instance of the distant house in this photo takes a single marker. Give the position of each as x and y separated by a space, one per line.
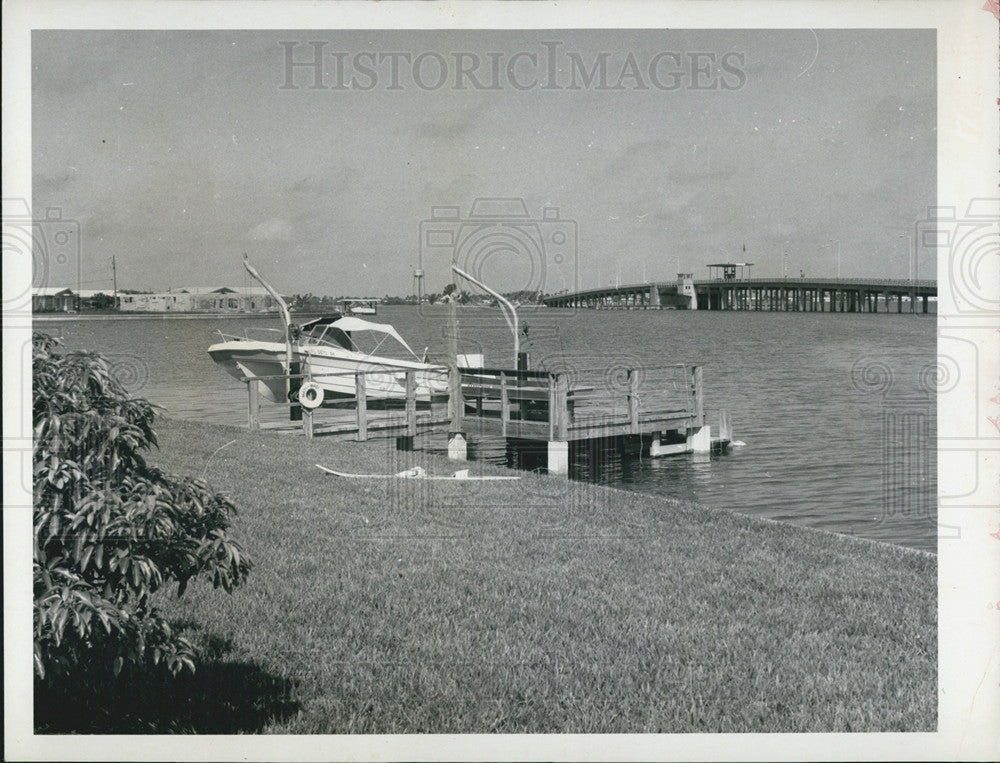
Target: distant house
190 299
201 299
53 299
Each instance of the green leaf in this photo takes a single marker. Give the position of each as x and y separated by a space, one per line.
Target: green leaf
109 529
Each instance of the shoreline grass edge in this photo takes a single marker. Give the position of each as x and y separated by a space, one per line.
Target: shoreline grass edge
541 605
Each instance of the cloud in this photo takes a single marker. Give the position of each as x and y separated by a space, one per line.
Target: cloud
451 125
274 229
779 229
336 179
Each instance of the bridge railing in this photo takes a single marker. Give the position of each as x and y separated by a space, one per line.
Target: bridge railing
807 282
871 282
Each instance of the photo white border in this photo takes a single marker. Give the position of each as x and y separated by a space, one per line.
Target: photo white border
969 567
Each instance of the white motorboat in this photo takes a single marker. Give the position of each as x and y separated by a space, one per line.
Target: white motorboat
329 352
326 353
353 306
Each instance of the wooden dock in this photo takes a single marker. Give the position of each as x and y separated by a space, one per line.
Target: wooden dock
661 408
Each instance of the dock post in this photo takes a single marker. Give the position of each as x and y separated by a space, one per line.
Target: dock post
411 403
307 422
551 407
294 382
253 390
558 457
504 404
561 406
699 435
633 401
405 442
360 393
457 450
697 396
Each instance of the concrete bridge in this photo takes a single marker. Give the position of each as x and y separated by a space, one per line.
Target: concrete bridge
835 295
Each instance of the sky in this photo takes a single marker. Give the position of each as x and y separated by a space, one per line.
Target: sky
176 151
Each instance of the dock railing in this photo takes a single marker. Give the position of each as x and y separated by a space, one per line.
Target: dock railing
561 404
421 390
577 403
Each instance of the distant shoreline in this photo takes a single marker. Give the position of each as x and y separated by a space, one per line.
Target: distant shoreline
64 317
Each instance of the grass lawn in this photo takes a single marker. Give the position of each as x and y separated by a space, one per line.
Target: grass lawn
530 606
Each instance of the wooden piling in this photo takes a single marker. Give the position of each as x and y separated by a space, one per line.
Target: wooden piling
293 384
361 394
633 401
697 396
552 409
561 405
411 403
504 404
253 390
455 400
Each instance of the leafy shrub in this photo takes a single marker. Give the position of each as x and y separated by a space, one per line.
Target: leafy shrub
109 529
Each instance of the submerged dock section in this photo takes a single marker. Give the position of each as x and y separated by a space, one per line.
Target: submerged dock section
540 415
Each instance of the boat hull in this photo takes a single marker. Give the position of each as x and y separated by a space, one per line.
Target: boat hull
332 369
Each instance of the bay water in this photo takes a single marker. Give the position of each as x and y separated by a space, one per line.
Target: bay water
837 411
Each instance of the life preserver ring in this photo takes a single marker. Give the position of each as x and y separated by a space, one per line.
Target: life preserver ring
311 395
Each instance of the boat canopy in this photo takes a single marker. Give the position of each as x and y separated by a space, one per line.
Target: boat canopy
336 328
350 323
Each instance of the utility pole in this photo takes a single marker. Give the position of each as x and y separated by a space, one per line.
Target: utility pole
114 280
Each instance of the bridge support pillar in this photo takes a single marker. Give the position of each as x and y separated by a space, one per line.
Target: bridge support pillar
654 296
